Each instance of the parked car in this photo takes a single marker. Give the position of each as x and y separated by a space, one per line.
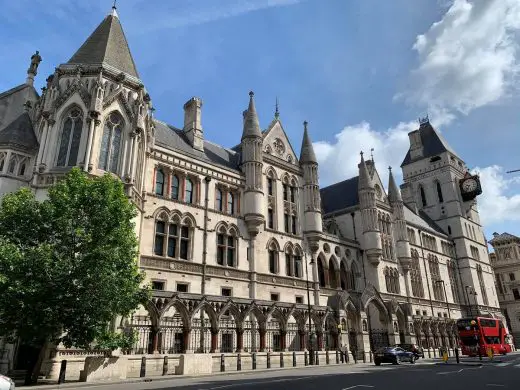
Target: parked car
394 355
6 383
415 349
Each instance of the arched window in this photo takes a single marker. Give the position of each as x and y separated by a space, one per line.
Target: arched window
188 192
352 277
439 192
22 167
415 276
332 274
293 262
226 247
230 203
269 186
423 196
111 142
172 238
298 268
218 200
12 164
321 273
273 258
435 276
482 285
2 161
175 187
452 274
70 139
159 182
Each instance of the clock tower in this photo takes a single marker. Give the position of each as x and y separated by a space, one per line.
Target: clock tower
438 185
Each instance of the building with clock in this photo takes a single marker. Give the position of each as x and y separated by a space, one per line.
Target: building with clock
505 261
243 249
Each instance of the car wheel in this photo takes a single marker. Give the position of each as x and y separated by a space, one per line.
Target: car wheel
412 359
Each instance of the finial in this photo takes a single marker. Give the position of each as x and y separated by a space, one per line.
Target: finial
114 5
372 154
276 112
305 123
390 169
361 153
114 9
251 94
424 120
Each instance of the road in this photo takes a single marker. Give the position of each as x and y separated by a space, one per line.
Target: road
502 374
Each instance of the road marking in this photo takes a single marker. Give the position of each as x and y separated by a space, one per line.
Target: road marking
450 372
495 385
504 364
258 383
517 365
352 387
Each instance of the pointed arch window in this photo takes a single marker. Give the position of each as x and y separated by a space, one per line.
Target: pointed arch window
423 196
439 192
226 247
482 285
230 203
452 274
70 139
273 258
321 273
2 161
415 276
175 187
218 200
173 238
111 143
12 164
159 182
269 186
22 167
435 278
188 192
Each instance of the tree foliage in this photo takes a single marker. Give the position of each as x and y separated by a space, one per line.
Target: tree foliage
68 264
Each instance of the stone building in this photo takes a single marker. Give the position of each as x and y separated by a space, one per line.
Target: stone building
243 249
506 264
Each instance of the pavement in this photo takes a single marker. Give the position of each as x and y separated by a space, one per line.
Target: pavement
501 373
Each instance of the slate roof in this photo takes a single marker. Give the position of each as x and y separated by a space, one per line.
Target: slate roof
499 238
340 196
433 143
107 45
172 138
422 220
12 102
19 133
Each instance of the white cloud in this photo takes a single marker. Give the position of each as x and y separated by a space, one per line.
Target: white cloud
469 58
494 205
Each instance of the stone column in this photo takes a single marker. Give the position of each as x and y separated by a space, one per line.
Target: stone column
262 339
51 122
319 338
240 340
214 341
155 339
135 150
88 148
186 333
303 347
43 139
283 340
90 166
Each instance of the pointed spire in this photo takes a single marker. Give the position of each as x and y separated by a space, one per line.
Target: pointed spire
394 195
307 154
276 112
251 124
114 10
107 45
365 181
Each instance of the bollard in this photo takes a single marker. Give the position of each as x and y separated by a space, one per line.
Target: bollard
317 360
254 361
457 355
370 356
429 353
142 373
327 357
294 359
354 356
239 362
306 360
346 357
364 357
337 356
63 370
281 360
165 366
268 359
222 363
342 354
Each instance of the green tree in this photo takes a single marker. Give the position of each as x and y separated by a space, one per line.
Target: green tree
68 263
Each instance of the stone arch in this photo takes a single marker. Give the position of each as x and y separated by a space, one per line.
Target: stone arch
270 172
285 178
161 213
295 327
230 307
205 307
322 268
333 270
275 313
189 219
288 247
180 308
273 244
172 326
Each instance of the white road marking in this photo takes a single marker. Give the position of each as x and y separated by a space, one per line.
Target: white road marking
517 365
352 387
450 372
504 364
259 383
495 385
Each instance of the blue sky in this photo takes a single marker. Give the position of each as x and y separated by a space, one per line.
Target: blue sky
360 71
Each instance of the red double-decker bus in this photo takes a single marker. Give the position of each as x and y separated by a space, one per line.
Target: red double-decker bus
484 334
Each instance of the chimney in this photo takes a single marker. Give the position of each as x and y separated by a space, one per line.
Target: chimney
416 146
193 124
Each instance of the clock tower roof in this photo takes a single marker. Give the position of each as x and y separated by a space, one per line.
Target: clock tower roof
432 142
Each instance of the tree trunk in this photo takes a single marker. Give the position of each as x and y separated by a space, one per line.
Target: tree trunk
33 372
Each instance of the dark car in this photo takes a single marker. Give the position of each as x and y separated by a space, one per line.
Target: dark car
416 350
394 355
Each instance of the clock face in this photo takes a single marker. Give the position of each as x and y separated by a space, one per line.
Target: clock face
469 185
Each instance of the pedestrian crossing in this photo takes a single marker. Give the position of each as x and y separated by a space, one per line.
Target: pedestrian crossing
505 364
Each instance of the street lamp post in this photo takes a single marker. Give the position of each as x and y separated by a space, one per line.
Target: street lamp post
445 296
311 333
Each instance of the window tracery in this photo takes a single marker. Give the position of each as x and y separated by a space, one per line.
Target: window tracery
111 143
415 275
435 276
173 236
392 280
227 243
70 138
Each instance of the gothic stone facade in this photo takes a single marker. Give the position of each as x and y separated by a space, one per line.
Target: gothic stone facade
506 264
230 237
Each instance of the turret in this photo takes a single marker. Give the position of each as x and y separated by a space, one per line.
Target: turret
193 123
252 141
367 204
401 234
311 190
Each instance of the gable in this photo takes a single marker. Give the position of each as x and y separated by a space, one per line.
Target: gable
277 144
